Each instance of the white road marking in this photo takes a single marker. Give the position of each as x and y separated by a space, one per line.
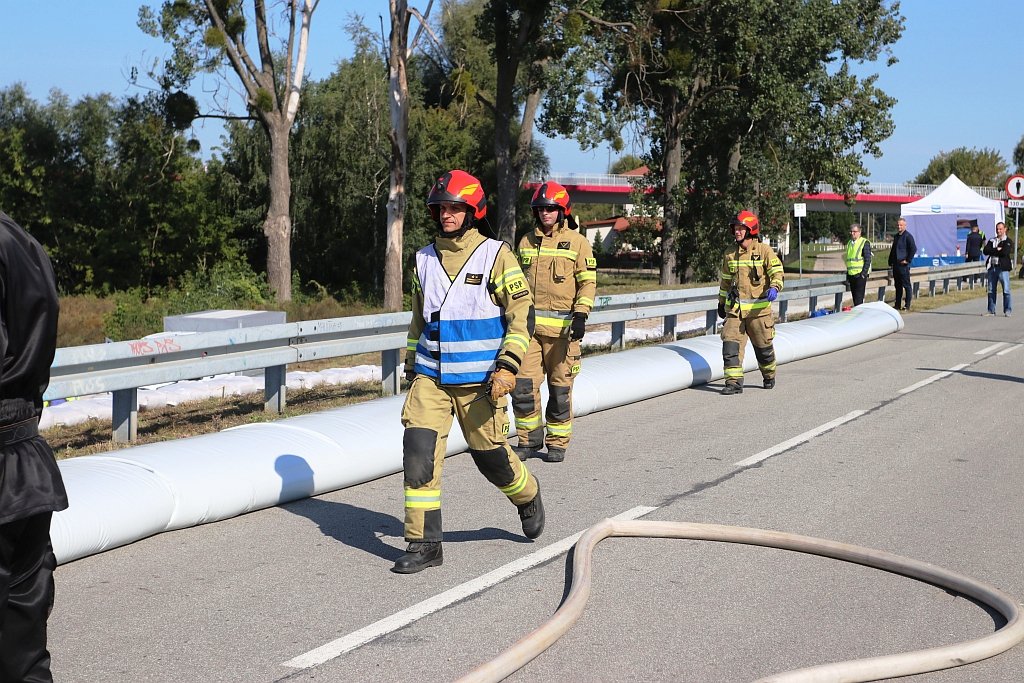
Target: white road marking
933 378
1012 348
799 439
988 349
338 647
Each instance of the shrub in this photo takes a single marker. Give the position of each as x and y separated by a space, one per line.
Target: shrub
81 319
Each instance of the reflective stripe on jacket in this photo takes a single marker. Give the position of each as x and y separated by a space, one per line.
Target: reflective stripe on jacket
752 272
562 273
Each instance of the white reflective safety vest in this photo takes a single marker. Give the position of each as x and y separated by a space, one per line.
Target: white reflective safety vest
464 329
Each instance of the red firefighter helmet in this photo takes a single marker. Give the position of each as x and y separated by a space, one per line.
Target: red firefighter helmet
749 221
458 187
551 193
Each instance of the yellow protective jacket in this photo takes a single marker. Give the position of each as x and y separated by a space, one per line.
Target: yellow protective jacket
748 274
562 273
508 290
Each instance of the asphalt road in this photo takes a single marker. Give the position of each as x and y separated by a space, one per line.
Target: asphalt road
930 470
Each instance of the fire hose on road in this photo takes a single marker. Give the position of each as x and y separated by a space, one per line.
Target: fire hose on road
870 669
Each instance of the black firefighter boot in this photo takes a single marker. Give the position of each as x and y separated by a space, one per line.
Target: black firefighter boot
532 516
418 556
732 388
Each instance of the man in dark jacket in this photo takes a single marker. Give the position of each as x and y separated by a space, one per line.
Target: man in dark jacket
999 250
903 251
975 240
31 488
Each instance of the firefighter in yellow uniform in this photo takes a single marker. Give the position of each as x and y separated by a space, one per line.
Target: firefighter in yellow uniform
562 272
471 325
751 281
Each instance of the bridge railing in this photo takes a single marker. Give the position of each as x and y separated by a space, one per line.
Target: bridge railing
121 368
888 189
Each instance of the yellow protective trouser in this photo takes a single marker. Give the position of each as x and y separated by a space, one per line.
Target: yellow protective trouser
761 330
559 359
427 418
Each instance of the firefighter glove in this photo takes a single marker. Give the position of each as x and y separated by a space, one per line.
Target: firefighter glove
502 382
721 311
410 375
578 327
772 294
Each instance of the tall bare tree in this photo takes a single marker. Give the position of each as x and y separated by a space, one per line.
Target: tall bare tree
398 88
212 36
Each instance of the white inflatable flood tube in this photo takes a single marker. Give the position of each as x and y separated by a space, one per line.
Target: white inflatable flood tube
123 496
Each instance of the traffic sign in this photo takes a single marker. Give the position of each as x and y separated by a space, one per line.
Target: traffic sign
800 210
1015 187
1015 203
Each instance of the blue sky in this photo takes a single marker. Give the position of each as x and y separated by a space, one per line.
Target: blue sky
957 83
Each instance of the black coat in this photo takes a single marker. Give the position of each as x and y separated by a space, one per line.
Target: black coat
903 248
1000 254
30 482
974 244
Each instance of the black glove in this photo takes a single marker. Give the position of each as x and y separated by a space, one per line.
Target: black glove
410 375
578 327
721 311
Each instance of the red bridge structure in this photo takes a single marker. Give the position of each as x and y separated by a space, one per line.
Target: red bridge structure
872 197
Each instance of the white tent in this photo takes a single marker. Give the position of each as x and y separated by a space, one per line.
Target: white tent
954 197
933 220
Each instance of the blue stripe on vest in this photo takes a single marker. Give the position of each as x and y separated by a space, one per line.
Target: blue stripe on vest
489 328
469 356
425 370
465 377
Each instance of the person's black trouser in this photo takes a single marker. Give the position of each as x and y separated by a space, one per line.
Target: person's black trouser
857 287
901 279
26 597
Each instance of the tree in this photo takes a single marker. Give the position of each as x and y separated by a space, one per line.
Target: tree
1018 156
629 162
517 29
978 167
742 100
399 52
208 35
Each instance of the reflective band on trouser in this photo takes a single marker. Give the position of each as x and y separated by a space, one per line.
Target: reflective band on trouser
528 423
526 396
422 515
563 429
423 499
733 346
516 487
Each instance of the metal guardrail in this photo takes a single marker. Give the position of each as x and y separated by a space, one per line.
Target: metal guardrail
889 189
122 367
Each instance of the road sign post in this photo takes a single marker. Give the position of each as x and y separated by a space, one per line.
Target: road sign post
799 211
1015 191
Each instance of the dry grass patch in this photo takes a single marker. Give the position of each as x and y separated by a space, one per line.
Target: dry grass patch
203 417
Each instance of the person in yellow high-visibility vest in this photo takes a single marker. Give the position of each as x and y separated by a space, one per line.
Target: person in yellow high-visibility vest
858 264
751 280
561 269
